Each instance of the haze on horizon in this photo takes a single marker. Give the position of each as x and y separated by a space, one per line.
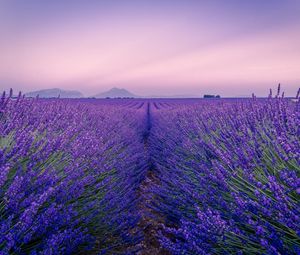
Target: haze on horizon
167 47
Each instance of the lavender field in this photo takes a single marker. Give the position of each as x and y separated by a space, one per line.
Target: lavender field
149 176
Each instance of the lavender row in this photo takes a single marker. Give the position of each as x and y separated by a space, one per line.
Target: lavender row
229 176
69 171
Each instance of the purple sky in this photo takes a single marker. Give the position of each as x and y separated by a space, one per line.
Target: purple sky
232 47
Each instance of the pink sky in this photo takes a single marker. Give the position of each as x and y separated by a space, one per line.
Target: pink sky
178 47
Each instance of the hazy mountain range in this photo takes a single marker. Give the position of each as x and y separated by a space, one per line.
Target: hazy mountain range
56 92
112 93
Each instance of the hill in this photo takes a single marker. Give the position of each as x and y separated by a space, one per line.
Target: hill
49 93
116 93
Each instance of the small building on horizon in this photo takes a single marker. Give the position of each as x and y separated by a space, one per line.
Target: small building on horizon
211 96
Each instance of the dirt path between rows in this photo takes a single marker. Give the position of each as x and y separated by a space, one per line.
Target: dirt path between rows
150 223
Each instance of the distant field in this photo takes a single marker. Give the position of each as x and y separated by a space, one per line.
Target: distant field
149 176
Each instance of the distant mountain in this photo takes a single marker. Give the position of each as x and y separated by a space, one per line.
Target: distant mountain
48 93
115 93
